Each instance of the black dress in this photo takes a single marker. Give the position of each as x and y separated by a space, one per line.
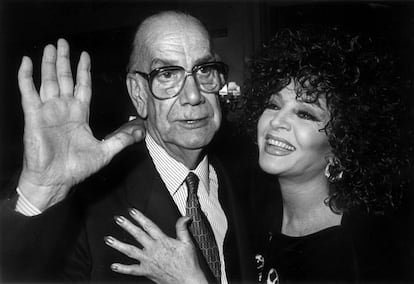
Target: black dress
327 255
363 249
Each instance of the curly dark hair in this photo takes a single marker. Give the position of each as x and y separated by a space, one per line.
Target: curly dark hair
364 97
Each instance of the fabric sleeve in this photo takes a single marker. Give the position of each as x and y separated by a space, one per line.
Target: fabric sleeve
24 206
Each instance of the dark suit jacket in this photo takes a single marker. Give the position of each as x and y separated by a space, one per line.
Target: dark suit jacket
131 180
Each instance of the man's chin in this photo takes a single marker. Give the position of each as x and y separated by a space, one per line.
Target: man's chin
194 142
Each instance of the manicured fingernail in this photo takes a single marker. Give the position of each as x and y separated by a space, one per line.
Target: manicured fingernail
114 267
119 219
132 211
109 240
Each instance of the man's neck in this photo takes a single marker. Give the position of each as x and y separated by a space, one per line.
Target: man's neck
188 157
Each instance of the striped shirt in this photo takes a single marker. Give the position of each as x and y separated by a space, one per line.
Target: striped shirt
173 174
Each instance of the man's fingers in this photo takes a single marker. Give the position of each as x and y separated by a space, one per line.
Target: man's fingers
83 90
64 72
30 97
138 134
49 88
116 143
134 231
147 224
128 250
134 269
121 138
181 228
135 128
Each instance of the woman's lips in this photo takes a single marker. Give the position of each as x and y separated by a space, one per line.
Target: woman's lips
278 146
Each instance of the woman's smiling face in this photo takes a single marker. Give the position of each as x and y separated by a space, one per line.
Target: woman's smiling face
290 139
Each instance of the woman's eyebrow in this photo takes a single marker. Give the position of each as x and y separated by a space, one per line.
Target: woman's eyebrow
314 104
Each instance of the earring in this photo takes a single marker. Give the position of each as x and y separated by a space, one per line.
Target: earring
333 170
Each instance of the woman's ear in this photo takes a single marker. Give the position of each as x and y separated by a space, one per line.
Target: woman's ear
137 94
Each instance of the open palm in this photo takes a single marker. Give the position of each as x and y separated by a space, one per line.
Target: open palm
60 149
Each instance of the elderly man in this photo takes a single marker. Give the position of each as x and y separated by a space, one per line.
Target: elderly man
173 81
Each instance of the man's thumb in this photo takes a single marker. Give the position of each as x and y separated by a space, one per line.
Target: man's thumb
121 138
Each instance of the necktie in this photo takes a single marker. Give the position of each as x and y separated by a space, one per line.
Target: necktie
201 228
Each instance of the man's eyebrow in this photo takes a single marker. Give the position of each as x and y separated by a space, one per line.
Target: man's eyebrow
167 62
161 62
205 59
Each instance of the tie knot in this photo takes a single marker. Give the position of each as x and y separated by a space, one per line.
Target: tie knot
192 182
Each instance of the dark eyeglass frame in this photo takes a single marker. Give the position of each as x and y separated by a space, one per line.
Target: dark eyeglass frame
150 76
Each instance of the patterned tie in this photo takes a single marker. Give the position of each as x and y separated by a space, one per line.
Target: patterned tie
200 227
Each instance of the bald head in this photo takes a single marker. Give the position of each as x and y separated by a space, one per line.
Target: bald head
161 26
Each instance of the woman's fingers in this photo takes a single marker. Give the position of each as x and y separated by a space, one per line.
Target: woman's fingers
181 228
153 230
142 237
129 250
134 269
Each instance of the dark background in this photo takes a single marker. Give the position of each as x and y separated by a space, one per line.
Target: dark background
106 28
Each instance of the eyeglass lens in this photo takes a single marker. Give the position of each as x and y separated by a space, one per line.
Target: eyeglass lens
167 82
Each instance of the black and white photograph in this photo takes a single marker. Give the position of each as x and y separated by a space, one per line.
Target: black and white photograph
206 141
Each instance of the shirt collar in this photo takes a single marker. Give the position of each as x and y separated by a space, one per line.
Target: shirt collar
172 172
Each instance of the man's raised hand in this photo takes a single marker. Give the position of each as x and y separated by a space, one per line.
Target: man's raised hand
59 147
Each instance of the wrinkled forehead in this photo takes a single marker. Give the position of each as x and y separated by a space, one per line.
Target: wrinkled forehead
177 42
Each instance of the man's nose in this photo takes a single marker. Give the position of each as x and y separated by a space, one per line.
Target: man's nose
191 93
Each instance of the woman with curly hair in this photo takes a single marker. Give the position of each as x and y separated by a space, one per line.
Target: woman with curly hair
326 110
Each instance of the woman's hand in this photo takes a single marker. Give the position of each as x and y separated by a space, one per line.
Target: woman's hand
161 259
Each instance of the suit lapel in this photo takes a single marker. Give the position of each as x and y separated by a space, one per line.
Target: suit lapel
145 191
238 265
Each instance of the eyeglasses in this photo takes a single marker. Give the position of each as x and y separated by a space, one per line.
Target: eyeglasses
167 82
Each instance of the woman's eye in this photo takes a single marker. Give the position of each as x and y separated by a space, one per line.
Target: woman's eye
272 105
306 115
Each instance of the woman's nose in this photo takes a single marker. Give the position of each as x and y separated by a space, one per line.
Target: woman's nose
280 120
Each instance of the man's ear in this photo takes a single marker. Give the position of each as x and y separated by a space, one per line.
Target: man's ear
137 94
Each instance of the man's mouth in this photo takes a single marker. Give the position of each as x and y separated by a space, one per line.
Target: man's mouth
194 123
